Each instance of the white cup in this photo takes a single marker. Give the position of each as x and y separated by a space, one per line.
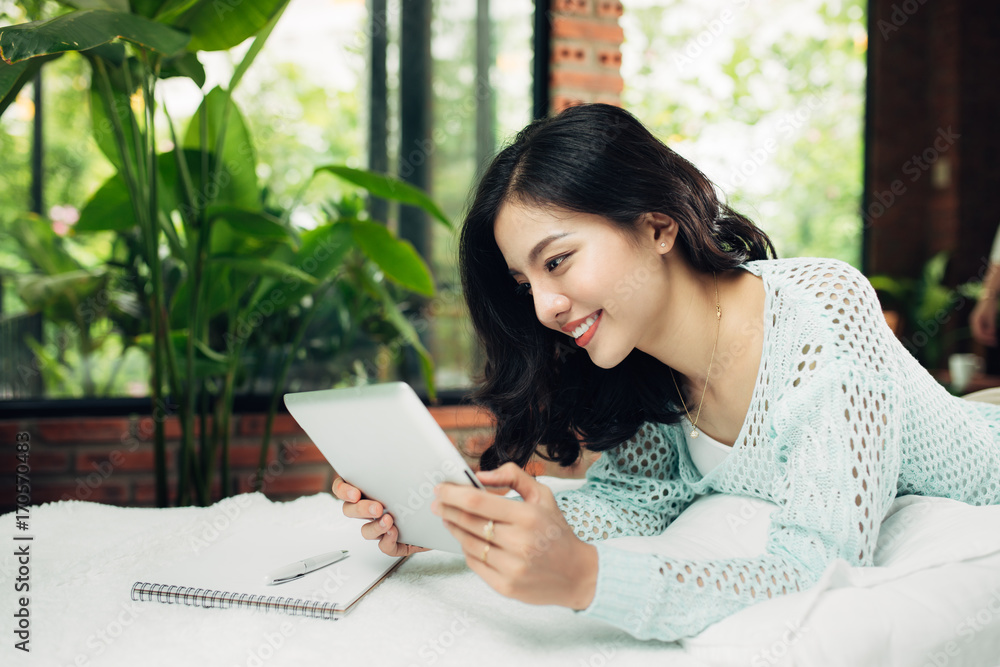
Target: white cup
962 368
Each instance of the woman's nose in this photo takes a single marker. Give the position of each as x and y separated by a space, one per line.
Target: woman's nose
549 305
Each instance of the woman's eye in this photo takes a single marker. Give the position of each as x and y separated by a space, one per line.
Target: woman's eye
553 264
522 289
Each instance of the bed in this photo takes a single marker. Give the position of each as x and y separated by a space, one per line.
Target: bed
932 599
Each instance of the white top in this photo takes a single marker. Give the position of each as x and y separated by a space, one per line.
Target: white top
706 451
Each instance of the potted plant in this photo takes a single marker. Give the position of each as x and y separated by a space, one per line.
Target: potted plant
197 243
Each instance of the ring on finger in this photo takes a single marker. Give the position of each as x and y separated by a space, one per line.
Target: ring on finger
488 531
486 550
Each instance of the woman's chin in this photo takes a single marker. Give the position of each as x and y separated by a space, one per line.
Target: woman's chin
603 360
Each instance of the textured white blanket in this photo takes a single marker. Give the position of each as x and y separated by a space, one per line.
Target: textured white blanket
435 611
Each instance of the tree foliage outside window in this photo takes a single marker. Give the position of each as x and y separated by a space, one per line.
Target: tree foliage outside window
768 100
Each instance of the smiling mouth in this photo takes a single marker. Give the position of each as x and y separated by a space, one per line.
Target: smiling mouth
583 333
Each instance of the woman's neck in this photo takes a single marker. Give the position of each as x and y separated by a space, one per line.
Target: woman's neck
686 330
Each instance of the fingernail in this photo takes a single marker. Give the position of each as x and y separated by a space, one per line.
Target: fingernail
374 510
385 521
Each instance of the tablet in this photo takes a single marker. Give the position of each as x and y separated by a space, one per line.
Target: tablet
382 439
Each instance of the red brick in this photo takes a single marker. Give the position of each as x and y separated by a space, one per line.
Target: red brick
461 416
90 429
119 459
570 53
535 468
609 59
565 27
301 483
247 455
44 461
111 491
477 443
587 81
562 102
578 7
144 492
609 9
254 425
301 451
609 99
10 429
171 427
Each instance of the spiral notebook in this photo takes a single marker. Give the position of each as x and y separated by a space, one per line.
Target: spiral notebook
229 571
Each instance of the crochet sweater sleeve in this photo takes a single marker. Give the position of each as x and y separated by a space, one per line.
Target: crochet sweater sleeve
633 490
838 461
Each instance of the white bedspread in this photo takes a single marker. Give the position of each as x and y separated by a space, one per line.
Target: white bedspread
933 600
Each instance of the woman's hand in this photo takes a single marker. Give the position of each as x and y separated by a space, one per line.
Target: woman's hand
379 527
532 554
982 321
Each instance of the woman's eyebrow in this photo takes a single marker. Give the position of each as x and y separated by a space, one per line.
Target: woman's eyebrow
539 247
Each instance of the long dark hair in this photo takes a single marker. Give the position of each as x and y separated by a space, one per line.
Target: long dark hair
542 390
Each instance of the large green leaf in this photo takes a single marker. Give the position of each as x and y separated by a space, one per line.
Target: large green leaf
186 64
320 255
207 362
386 187
265 267
103 126
110 209
216 299
237 181
13 77
62 290
114 5
41 246
253 224
218 25
168 10
397 258
86 29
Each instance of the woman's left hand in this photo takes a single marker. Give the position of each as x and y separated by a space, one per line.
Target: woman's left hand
532 554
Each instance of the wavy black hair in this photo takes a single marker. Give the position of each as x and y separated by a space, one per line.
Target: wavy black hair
543 392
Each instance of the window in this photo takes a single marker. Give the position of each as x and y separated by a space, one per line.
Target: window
766 98
306 103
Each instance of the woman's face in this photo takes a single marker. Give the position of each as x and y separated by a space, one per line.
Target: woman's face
582 269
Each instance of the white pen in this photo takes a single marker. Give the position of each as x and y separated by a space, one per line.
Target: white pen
303 567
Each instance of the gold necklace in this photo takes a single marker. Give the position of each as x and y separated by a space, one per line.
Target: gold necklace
718 320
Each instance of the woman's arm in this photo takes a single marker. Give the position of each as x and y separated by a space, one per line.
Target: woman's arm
634 489
982 319
837 448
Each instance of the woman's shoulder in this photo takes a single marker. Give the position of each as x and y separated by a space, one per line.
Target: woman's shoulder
804 271
817 281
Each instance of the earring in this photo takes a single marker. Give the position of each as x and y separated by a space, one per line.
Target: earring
663 245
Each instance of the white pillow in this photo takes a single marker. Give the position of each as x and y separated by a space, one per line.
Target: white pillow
715 526
932 598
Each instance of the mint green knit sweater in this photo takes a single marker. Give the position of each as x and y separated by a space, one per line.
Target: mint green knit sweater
843 419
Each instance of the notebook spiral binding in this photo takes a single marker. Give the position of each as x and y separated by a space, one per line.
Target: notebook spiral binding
203 597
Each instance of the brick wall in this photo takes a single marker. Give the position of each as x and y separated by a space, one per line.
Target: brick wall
110 459
933 167
586 53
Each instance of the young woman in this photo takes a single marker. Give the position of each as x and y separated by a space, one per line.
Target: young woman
626 310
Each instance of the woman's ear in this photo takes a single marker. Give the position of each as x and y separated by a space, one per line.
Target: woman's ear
660 230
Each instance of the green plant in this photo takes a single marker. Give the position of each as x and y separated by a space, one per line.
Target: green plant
196 241
926 305
82 301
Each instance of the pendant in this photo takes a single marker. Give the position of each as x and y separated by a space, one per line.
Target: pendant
694 433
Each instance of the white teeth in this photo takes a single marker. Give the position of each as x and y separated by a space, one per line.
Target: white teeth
582 329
